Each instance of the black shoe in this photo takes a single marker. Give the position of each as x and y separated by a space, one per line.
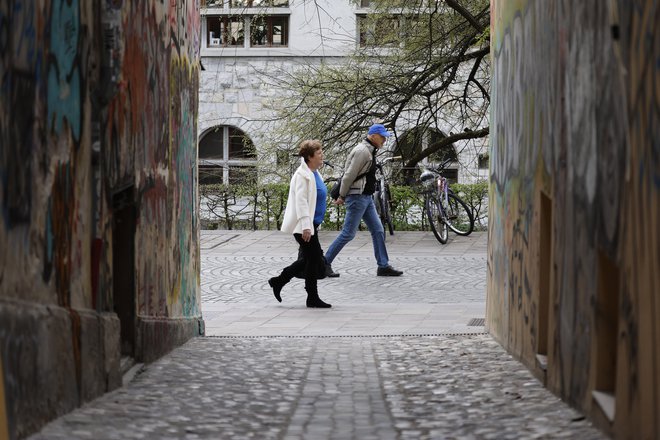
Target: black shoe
317 303
277 288
329 272
388 271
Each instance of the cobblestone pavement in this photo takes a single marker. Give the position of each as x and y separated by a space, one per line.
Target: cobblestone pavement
443 387
429 279
409 370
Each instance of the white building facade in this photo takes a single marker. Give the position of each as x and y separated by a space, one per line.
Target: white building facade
246 43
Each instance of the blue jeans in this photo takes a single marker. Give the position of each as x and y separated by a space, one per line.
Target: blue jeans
360 207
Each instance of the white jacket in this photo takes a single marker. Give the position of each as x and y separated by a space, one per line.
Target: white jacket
301 204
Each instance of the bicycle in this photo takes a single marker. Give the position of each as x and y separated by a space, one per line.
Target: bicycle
382 196
444 209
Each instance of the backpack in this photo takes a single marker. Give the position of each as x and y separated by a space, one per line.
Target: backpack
334 191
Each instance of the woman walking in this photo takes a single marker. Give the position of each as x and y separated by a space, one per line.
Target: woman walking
305 210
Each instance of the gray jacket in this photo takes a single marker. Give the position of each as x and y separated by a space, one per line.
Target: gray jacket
358 162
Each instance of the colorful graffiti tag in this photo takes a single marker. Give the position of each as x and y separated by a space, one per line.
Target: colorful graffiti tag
574 120
95 97
64 78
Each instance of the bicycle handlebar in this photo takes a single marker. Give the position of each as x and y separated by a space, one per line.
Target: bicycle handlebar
380 164
440 168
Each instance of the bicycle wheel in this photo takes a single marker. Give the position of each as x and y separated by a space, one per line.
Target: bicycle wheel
386 217
438 226
459 217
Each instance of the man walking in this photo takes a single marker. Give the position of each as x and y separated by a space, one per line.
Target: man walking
357 188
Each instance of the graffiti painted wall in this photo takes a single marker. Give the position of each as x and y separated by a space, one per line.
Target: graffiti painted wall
574 248
97 99
150 126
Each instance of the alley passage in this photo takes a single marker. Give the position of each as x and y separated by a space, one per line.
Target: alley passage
329 388
384 363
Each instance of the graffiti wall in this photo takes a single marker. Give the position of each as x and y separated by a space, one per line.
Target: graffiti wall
45 120
573 236
95 98
152 119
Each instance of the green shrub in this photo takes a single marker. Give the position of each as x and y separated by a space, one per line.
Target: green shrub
475 195
262 206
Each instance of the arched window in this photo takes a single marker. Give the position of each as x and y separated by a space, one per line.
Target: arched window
417 139
226 155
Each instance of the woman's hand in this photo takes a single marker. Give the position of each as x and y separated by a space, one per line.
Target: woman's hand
307 234
339 201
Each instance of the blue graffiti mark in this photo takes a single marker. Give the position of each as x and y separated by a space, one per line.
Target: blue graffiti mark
25 46
63 74
185 162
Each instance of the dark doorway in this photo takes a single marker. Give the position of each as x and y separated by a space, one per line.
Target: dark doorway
123 267
545 270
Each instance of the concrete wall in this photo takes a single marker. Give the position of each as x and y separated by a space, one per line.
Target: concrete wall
95 97
574 244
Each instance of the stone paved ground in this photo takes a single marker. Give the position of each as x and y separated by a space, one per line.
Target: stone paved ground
429 279
443 387
407 371
442 290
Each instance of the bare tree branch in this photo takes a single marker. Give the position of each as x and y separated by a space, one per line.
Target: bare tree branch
446 142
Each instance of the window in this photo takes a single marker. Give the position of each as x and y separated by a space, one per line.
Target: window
265 31
483 161
447 153
415 140
259 3
378 31
269 31
398 4
225 31
283 158
226 155
212 3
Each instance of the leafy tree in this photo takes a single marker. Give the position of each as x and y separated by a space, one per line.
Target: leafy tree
423 64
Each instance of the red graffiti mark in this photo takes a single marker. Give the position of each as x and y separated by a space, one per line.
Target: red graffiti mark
61 217
97 249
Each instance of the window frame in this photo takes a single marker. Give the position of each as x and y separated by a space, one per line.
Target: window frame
218 25
224 32
270 26
250 4
225 163
368 37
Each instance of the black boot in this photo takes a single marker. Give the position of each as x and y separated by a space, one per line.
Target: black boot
277 284
313 301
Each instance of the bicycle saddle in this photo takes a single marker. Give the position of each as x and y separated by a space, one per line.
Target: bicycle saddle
426 175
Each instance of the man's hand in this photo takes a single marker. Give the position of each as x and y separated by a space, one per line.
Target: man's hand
339 201
307 234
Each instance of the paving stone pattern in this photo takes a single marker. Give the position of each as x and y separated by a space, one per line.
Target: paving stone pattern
393 359
429 279
444 387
